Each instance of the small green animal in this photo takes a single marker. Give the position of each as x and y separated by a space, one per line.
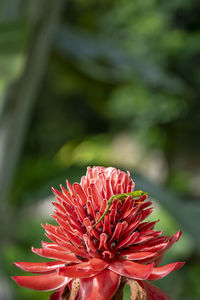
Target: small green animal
120 197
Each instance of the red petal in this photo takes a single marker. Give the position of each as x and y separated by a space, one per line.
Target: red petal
100 224
157 240
71 189
145 204
160 272
61 195
131 212
139 255
69 210
91 230
101 287
52 246
119 189
131 227
74 273
73 238
113 214
45 267
151 232
79 208
147 225
153 292
131 269
127 204
84 270
103 206
143 239
93 264
90 209
55 254
48 282
124 225
74 224
80 192
67 195
116 232
172 240
148 248
77 251
91 249
103 241
96 196
109 190
57 295
59 207
128 241
106 226
145 213
107 254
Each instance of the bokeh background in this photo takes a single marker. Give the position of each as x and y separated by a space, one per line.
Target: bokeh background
106 82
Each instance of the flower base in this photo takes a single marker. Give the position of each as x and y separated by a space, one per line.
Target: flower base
137 292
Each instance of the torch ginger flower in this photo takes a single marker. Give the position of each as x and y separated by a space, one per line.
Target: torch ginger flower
93 258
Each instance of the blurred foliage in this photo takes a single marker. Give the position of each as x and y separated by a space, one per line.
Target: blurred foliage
121 88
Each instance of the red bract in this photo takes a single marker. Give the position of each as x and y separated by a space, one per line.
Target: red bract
92 260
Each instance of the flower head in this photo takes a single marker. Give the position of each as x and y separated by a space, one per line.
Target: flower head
100 239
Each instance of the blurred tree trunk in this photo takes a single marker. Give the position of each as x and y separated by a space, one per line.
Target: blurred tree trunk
19 98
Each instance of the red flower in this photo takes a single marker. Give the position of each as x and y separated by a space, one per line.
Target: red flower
91 259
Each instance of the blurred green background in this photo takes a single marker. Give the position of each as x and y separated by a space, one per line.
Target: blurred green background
106 82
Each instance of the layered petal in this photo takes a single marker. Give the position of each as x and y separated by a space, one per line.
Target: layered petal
172 240
55 254
102 287
46 267
47 282
131 269
160 272
84 270
139 255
